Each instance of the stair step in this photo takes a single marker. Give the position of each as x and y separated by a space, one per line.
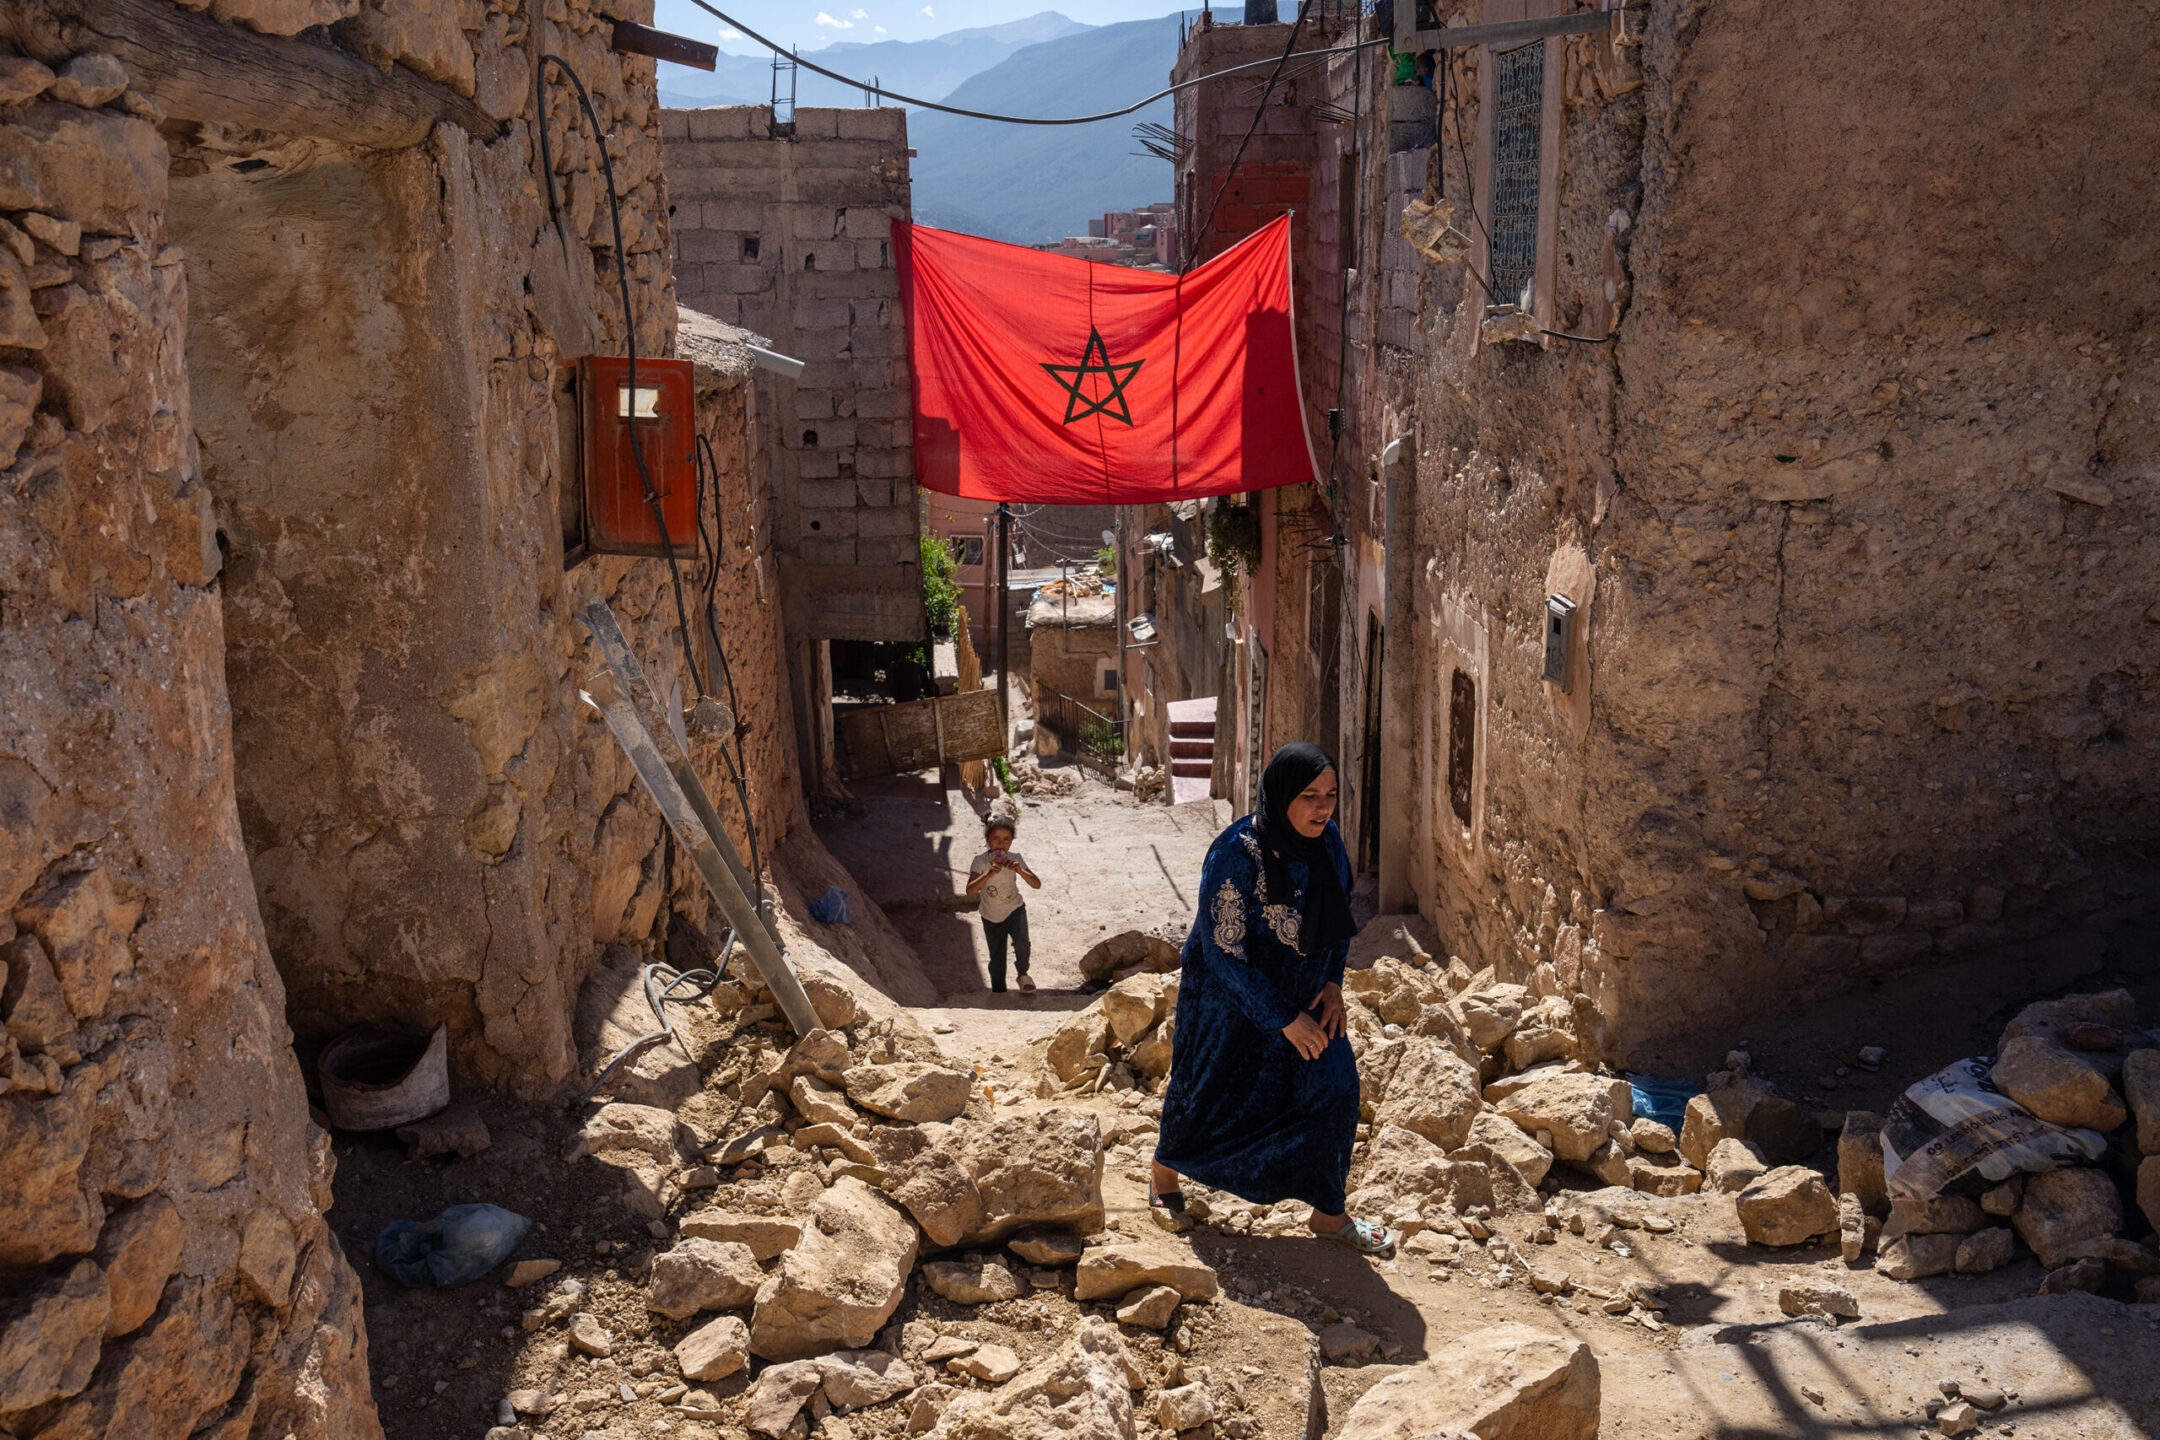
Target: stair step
1192 749
1191 767
1192 729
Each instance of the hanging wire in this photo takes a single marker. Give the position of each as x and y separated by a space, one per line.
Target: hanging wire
874 89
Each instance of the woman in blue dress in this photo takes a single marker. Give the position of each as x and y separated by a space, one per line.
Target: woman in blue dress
1263 1096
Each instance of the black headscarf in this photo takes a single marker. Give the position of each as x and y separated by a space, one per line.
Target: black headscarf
1325 920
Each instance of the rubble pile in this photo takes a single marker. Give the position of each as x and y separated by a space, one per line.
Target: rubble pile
2089 1073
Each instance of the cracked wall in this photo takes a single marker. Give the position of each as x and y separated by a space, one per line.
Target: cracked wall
1864 487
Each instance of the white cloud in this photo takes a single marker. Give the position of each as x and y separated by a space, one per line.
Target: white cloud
825 19
878 28
731 33
860 14
928 11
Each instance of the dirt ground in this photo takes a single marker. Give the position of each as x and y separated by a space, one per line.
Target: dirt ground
1710 1355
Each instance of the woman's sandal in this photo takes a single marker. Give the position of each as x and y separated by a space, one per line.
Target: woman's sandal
1169 1211
1362 1236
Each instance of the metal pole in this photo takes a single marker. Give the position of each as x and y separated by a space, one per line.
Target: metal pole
1004 624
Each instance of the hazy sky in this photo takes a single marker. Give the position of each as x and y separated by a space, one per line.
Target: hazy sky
810 25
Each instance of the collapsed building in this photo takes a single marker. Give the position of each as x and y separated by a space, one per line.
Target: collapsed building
293 304
1725 587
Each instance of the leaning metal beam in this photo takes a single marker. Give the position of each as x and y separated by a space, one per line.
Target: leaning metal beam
604 694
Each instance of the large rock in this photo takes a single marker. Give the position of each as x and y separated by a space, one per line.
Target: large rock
841 1282
714 1350
941 1195
49 1345
1941 1215
820 1102
910 1090
1507 1140
1984 1250
138 1250
1043 1169
1915 1257
1511 1382
637 1129
1112 1270
704 1275
766 1235
2057 1085
1789 1206
1085 1034
856 1378
1432 1092
1134 1005
1125 953
2053 1019
1732 1166
2141 1089
2148 1189
973 1282
1490 1015
1545 1032
1579 1110
2063 1208
779 1396
1746 1111
1408 1165
1860 1161
1080 1393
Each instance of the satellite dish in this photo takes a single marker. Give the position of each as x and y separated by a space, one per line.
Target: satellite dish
1109 537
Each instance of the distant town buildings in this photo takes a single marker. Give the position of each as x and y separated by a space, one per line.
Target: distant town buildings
1145 238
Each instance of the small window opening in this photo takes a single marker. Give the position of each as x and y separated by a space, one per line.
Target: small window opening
817 524
1462 744
749 247
1518 130
809 438
809 262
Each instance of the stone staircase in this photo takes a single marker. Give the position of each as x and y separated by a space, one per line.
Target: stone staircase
1192 749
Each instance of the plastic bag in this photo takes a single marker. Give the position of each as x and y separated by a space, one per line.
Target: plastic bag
1662 1100
460 1245
1954 1133
832 907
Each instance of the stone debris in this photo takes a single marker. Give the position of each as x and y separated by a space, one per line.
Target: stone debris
1744 1109
2057 1085
1047 1247
1984 1250
779 1395
1860 1160
767 1236
1957 1418
457 1129
1510 1380
992 1364
1788 1206
715 1350
2141 1091
2063 1208
910 1090
855 1378
1915 1257
973 1282
521 1273
1083 1392
1345 1344
638 1129
590 1336
1149 1309
1188 1407
703 1275
842 1280
1819 1298
1942 1215
2087 1275
1114 1269
1732 1166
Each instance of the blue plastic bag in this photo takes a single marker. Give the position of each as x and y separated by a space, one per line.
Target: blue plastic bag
456 1247
1662 1100
832 907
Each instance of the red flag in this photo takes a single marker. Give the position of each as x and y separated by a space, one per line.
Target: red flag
1051 379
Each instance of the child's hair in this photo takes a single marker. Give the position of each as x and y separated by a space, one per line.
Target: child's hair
996 823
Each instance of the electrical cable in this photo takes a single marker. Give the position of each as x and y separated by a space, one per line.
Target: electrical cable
1259 109
622 276
705 980
777 49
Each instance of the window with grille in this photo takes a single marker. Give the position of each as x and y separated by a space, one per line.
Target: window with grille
967 549
1518 128
1461 745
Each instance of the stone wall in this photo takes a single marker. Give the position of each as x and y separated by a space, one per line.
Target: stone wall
164 1265
1858 509
787 231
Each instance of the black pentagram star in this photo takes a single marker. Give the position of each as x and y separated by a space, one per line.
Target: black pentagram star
1095 360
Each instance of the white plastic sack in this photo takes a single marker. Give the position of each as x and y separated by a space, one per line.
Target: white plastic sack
1954 1133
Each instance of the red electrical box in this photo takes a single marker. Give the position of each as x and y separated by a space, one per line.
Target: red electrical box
613 431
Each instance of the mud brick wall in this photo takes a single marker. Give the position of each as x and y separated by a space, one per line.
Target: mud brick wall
1859 505
164 1265
788 233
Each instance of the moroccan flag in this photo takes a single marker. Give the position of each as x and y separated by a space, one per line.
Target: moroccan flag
1056 380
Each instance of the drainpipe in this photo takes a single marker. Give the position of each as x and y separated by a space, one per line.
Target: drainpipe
1398 661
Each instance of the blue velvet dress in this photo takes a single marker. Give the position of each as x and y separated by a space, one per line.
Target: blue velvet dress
1245 1112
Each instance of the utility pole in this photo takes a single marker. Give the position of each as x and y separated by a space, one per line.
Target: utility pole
1004 623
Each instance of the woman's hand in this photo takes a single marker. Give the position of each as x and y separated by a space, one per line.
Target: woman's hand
1306 1036
1329 1003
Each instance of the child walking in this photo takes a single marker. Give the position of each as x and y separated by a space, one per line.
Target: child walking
995 878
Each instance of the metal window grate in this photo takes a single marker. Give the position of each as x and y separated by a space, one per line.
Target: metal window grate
1518 124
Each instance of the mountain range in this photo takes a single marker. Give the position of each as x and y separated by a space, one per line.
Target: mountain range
1021 183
